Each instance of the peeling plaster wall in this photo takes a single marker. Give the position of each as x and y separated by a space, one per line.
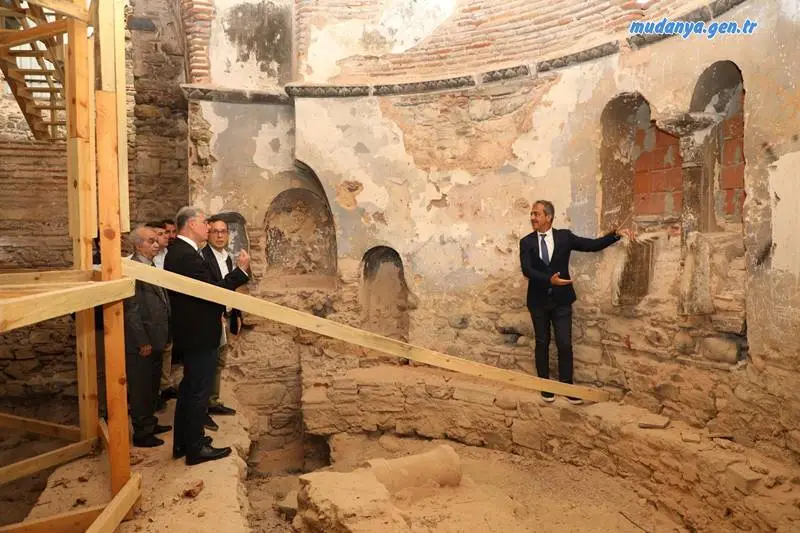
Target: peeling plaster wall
251 43
446 179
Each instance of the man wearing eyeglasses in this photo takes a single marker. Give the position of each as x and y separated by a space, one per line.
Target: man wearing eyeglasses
220 263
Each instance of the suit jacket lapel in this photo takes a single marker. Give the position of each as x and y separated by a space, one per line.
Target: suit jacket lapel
211 261
229 263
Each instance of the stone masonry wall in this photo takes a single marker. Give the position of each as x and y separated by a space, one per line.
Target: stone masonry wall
33 228
708 483
12 121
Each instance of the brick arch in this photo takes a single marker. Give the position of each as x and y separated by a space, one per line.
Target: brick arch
385 293
720 89
197 16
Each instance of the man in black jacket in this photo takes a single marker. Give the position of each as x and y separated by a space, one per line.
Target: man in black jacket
544 257
197 328
220 263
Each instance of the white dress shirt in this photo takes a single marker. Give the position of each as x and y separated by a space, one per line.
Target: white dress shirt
190 241
548 239
158 260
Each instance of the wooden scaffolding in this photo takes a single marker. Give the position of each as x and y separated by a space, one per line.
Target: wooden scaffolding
79 50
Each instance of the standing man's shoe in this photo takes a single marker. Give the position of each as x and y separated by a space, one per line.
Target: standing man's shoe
210 424
219 409
548 397
159 429
207 453
180 451
574 401
150 441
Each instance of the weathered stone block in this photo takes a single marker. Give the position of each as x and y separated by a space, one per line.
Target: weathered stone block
652 421
527 434
722 350
742 478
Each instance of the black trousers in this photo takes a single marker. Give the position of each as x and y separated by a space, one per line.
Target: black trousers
560 316
193 393
144 376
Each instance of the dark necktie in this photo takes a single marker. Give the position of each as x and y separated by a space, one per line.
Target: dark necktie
545 253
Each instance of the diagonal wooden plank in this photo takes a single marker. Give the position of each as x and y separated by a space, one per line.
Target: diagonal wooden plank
343 332
59 456
64 7
17 37
69 522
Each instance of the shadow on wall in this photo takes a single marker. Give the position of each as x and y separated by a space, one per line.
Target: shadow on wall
300 236
385 296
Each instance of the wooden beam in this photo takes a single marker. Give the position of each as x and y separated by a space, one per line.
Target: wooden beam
346 333
27 310
118 508
122 114
17 37
45 276
104 30
70 522
37 71
65 7
40 427
110 247
86 347
41 462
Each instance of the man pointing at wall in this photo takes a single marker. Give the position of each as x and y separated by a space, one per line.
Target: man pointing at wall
544 257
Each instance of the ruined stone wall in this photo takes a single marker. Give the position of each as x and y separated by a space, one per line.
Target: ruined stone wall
446 179
158 114
705 482
34 234
374 41
12 121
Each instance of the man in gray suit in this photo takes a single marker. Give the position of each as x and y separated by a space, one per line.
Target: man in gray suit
147 333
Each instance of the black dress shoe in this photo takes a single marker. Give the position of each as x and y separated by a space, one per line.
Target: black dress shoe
210 424
169 393
159 429
219 409
150 441
162 405
207 453
180 451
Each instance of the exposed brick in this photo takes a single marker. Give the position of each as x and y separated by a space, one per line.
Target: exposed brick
644 162
732 152
733 128
643 183
664 139
667 180
649 204
733 200
665 157
732 177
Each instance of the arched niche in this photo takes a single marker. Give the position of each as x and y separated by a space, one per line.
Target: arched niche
237 232
384 293
300 235
720 90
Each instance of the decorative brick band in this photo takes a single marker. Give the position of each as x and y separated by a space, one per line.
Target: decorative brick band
424 86
327 91
596 52
197 18
234 96
504 74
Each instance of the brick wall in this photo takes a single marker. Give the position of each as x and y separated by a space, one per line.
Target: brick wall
197 16
731 182
480 33
34 234
657 179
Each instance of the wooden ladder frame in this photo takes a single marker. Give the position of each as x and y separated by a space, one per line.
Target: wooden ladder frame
97 200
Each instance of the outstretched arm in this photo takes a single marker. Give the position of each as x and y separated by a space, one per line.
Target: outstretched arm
583 244
525 259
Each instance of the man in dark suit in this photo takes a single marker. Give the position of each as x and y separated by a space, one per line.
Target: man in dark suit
197 328
220 263
146 334
544 257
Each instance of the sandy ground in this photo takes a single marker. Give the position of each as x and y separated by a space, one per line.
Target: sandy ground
499 492
221 504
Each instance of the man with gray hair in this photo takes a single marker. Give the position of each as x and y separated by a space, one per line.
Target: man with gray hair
544 258
197 329
146 316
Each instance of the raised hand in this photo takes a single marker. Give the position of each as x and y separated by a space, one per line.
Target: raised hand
244 260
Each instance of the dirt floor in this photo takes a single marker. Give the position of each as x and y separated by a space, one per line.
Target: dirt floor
499 492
